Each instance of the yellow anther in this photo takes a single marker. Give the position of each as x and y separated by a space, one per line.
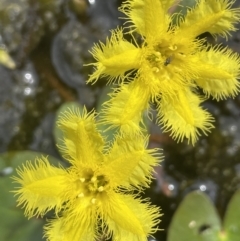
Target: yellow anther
158 56
101 188
93 201
155 69
82 179
81 194
173 47
93 179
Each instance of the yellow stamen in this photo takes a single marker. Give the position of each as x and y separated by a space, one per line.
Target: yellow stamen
93 179
82 179
101 188
81 194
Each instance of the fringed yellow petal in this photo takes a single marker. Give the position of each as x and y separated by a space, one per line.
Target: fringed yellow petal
114 58
134 10
156 19
147 17
213 16
125 108
182 115
43 187
81 227
53 230
140 219
117 214
219 72
83 143
149 80
129 162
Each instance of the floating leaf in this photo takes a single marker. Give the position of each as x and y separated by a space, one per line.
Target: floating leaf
231 222
195 220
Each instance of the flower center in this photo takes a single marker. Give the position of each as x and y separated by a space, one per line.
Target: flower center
92 185
160 57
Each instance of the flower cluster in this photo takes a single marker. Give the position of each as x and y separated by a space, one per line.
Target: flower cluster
168 65
98 194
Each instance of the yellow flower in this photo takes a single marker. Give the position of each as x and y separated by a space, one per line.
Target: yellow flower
166 63
94 196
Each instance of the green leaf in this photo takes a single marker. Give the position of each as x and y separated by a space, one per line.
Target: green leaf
195 220
58 134
15 227
16 158
232 219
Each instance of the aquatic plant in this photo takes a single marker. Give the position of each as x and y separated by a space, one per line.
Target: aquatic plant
97 196
166 63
